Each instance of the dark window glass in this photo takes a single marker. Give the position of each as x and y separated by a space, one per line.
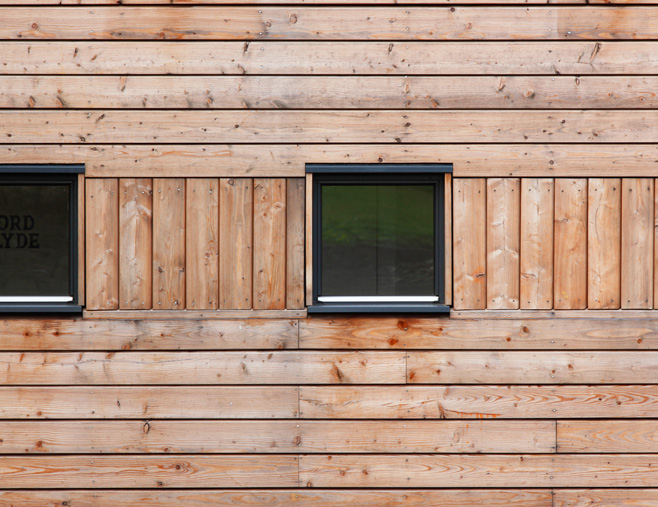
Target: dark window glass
35 240
377 240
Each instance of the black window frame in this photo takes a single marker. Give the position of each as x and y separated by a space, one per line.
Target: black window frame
384 174
64 174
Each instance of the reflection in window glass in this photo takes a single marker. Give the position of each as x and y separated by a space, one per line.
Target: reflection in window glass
377 240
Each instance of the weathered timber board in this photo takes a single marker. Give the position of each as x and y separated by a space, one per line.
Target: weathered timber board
478 402
275 437
607 436
325 126
190 402
605 497
327 23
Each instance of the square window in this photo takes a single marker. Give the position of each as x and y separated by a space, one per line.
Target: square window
39 239
378 237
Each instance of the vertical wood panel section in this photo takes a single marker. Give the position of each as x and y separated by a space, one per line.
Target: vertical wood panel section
135 243
536 279
235 243
102 238
637 243
603 243
269 244
448 239
570 247
81 238
309 239
503 231
469 249
655 246
295 214
169 243
202 242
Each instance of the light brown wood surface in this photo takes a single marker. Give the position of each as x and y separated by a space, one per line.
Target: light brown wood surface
605 497
604 207
503 238
536 243
269 292
202 243
330 126
570 244
295 243
135 243
327 23
102 243
235 243
607 436
469 243
447 295
637 256
478 402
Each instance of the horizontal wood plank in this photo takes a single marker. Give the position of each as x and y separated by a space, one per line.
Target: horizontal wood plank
194 314
605 497
236 160
478 402
116 402
23 334
340 58
479 332
268 437
478 470
532 367
281 498
183 471
227 368
327 23
302 92
324 126
607 436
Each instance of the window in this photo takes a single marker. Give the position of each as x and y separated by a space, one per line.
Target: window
39 238
378 237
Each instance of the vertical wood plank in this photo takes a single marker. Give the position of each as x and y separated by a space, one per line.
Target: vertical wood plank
235 243
503 233
168 243
637 218
135 243
102 238
448 239
269 244
469 243
570 245
309 239
295 245
202 243
81 238
655 246
537 200
603 243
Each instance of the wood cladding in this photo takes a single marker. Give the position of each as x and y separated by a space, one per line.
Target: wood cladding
596 244
200 234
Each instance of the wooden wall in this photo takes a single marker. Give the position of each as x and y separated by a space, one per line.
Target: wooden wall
194 377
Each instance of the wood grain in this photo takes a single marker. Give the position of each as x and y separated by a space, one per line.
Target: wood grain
604 205
135 243
637 254
182 471
283 497
469 470
168 243
81 247
326 92
237 160
478 402
326 23
536 248
227 368
202 243
608 436
570 246
605 497
147 402
274 437
469 243
503 237
102 243
295 242
308 265
269 254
